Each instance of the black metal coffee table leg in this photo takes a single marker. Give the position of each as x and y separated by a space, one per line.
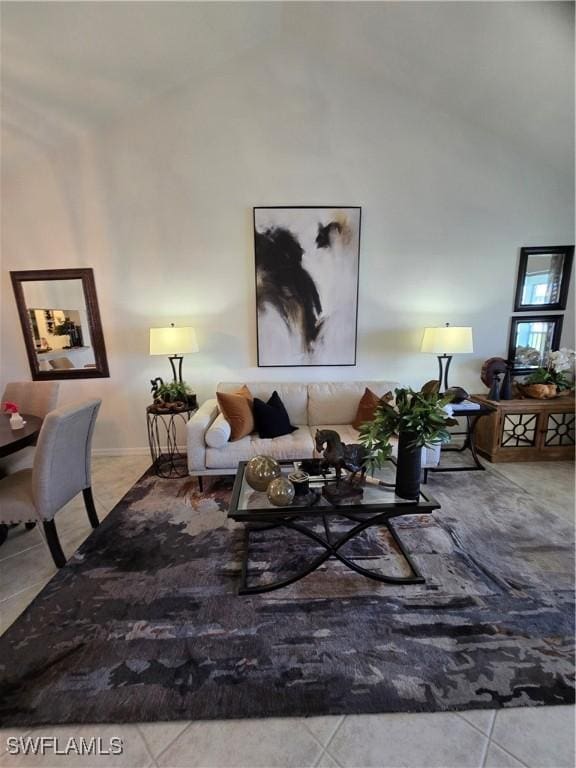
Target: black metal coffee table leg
331 550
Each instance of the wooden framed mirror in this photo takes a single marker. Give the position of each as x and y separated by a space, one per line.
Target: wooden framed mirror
60 320
531 340
543 278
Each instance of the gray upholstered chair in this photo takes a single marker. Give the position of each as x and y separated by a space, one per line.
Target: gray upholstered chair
61 363
36 398
61 471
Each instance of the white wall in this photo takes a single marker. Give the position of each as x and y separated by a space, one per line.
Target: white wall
418 113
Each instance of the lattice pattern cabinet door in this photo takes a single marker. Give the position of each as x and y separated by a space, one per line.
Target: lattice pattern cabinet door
519 430
560 430
527 430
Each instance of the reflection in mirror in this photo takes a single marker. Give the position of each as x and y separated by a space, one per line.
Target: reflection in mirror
60 319
59 323
543 278
532 339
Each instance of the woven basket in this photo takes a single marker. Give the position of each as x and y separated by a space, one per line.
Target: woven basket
538 391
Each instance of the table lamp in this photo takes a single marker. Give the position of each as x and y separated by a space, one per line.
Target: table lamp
444 342
174 342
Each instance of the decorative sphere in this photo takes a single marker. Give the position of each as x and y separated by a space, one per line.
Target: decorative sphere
458 394
281 492
260 471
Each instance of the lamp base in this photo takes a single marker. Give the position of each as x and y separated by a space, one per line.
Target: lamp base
443 368
176 359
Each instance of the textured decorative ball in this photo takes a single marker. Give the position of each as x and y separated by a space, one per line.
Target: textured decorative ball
458 394
281 492
260 471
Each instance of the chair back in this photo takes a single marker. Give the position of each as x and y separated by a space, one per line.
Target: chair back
62 464
34 397
61 363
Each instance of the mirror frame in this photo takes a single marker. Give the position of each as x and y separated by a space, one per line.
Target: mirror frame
568 252
100 371
556 319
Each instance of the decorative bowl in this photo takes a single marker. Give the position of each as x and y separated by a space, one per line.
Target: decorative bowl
538 391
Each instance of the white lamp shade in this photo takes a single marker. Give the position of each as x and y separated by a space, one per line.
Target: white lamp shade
447 339
173 341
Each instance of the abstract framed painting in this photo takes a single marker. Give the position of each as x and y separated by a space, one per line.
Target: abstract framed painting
307 263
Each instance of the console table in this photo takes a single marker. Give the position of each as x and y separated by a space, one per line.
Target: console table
526 430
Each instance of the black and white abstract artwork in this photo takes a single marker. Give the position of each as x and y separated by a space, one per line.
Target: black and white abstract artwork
307 285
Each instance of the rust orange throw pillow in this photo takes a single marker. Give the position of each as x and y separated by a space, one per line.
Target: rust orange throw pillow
367 407
236 408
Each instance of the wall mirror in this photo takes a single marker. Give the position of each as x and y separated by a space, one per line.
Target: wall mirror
60 320
531 339
543 278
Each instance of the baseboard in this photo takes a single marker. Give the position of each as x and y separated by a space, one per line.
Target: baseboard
144 451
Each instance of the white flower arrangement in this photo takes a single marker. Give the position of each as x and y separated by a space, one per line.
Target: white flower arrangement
559 370
561 360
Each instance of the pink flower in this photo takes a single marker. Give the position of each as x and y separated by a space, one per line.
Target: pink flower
9 407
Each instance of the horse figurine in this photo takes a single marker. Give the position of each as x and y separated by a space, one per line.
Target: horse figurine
339 455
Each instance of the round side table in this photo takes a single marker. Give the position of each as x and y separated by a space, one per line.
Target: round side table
167 460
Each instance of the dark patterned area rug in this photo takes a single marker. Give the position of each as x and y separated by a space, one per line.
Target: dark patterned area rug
145 623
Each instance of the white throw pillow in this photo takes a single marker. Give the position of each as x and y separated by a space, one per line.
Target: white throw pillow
218 433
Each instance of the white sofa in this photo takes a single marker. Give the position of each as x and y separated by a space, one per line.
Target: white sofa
320 405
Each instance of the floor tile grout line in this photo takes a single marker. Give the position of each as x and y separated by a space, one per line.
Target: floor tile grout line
488 740
146 745
320 756
331 739
24 589
331 756
472 725
311 732
316 739
182 732
20 552
507 751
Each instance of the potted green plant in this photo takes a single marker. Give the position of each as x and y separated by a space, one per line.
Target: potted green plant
173 393
68 328
417 419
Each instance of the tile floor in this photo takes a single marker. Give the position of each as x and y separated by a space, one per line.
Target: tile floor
541 737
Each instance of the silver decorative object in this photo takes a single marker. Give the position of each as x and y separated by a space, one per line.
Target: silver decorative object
281 492
260 471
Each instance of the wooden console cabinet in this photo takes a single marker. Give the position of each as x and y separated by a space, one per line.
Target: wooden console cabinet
526 430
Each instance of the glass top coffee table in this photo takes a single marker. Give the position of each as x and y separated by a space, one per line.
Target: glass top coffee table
377 506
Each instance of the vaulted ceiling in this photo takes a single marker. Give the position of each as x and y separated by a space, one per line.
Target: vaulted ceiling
69 68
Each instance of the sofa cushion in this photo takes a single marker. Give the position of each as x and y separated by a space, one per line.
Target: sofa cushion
337 402
271 419
293 395
367 406
236 407
218 433
298 445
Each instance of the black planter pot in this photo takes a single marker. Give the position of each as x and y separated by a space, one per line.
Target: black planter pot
408 467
